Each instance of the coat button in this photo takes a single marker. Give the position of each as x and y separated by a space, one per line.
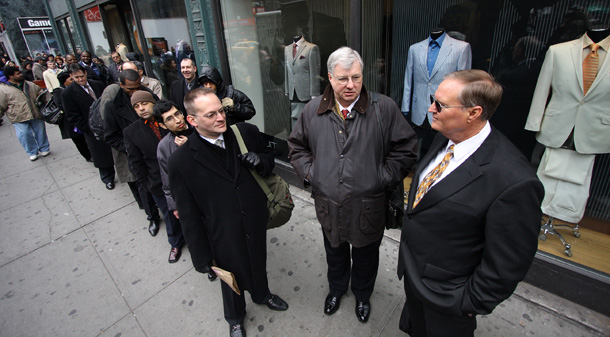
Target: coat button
243 213
247 236
236 186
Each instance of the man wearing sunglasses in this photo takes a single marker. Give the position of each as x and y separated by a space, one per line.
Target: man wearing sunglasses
473 214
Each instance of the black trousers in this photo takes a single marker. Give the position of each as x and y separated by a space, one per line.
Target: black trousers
235 305
425 136
81 146
361 267
150 207
172 225
418 320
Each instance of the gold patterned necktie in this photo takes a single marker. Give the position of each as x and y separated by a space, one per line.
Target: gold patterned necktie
589 67
90 92
432 176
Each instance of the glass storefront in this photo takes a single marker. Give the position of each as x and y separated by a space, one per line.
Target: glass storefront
507 38
165 26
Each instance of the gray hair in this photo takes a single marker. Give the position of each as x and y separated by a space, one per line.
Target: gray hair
344 56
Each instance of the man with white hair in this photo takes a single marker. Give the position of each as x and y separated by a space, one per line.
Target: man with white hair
351 146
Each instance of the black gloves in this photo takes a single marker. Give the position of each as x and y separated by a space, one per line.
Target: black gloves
251 161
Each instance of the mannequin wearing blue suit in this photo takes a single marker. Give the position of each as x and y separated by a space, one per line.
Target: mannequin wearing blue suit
420 82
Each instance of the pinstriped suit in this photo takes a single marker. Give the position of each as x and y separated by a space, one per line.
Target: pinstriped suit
454 55
302 72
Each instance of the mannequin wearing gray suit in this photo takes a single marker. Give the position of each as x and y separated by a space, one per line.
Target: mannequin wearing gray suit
301 76
422 79
574 125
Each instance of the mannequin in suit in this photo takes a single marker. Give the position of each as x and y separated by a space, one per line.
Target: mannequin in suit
302 69
574 125
471 237
428 62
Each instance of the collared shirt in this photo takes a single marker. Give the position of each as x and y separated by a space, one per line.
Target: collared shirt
190 85
299 43
434 46
212 140
154 125
349 108
461 152
87 90
602 51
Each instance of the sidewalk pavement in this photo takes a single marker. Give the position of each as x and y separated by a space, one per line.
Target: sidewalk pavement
77 260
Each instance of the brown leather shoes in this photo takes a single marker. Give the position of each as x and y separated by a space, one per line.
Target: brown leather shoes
174 255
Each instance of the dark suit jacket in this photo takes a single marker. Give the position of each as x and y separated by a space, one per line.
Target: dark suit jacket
76 102
141 145
473 236
177 93
223 215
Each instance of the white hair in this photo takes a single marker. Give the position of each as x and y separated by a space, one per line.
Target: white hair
344 56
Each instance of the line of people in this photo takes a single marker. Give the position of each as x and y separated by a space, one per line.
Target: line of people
469 233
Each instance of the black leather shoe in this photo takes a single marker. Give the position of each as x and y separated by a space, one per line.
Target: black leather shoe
153 228
363 311
174 255
110 186
331 304
212 276
237 330
277 304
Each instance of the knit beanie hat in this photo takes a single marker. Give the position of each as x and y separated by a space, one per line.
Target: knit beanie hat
141 96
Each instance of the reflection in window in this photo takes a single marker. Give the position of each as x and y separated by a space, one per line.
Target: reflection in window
168 40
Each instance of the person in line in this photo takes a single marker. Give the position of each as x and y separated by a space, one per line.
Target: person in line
182 86
76 100
238 106
473 215
352 146
141 140
223 210
118 113
18 101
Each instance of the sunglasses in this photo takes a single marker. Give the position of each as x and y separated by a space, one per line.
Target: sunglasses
439 107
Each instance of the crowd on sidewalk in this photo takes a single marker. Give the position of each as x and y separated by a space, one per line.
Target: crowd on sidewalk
181 156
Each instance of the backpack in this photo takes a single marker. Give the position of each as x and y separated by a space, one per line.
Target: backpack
96 123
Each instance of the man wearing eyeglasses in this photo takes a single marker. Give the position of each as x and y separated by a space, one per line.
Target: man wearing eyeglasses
222 209
473 214
351 146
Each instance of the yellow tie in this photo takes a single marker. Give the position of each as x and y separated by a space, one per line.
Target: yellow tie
432 176
589 67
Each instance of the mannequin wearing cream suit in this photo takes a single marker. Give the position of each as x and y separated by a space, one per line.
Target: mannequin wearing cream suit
301 76
566 172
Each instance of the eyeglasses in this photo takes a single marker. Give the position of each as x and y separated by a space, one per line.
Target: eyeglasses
175 116
212 115
440 107
345 80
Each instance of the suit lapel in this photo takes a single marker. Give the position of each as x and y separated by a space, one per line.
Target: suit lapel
204 156
576 51
462 176
422 54
81 94
442 54
300 51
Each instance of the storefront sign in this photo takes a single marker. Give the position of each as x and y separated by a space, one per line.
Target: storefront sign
35 23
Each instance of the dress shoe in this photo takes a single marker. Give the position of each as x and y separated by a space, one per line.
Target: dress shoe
277 304
363 311
174 255
237 330
212 276
153 227
110 185
331 304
